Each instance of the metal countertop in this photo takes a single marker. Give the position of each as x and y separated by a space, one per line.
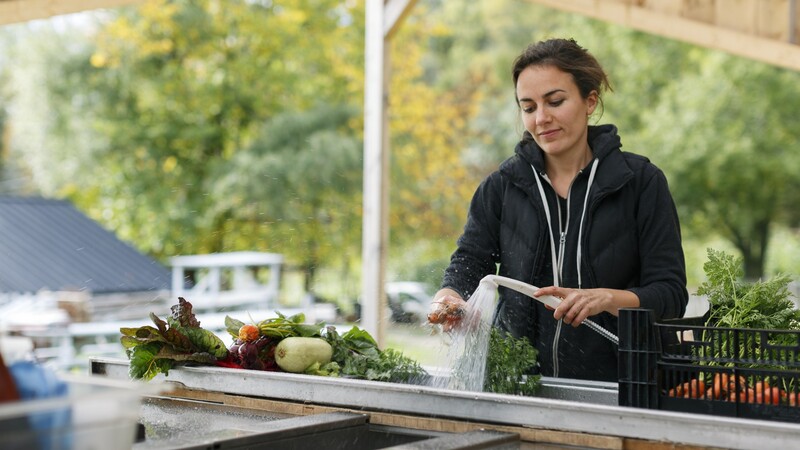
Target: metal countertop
535 412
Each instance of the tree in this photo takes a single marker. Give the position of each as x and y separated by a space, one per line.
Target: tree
299 182
430 182
726 137
157 101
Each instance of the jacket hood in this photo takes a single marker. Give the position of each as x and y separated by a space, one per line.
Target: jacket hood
603 139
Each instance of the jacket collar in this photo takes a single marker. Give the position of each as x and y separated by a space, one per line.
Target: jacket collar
605 143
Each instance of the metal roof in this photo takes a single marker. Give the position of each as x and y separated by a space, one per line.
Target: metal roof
49 244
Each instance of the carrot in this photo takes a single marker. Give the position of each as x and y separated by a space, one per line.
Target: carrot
436 317
447 312
693 388
720 383
746 396
761 385
772 396
732 383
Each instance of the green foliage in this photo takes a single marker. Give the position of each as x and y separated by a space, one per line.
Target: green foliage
509 365
358 355
186 127
300 181
278 327
168 93
736 303
725 153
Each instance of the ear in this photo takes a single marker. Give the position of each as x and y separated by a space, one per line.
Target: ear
591 102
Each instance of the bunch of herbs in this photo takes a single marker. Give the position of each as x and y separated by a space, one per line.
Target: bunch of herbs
510 365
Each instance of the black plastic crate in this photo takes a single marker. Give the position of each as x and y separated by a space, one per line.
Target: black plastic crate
681 365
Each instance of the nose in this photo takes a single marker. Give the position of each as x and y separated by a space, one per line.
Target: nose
542 116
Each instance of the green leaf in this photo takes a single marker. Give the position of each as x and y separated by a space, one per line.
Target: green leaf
143 362
142 335
183 315
509 365
330 369
232 326
205 341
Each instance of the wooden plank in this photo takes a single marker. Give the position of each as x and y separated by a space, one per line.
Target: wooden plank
17 11
636 444
396 13
700 10
739 15
668 7
527 434
794 22
751 46
772 19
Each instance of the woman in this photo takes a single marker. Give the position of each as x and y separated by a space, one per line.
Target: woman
573 213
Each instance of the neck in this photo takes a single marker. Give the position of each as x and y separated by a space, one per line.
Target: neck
569 164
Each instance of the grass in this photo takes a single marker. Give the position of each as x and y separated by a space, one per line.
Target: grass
415 341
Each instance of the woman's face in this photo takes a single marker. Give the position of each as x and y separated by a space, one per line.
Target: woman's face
553 110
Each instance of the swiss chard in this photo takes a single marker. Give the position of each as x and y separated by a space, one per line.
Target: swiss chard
178 340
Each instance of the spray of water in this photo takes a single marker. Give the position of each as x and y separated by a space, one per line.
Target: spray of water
467 346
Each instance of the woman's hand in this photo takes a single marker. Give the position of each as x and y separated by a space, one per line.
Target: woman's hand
447 309
579 304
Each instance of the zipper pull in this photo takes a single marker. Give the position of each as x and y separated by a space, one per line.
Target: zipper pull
563 238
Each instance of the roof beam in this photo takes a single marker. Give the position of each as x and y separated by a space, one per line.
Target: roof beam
763 31
17 11
395 12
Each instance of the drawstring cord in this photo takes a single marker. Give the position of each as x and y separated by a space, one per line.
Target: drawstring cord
583 218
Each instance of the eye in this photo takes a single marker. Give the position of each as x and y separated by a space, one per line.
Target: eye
557 102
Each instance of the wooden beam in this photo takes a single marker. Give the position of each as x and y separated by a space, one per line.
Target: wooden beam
665 22
395 13
17 11
374 230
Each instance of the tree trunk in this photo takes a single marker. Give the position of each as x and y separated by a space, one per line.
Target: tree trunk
754 251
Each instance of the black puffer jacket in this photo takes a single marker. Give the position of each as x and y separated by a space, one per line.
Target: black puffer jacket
630 239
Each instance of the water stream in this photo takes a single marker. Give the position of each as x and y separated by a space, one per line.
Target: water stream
466 347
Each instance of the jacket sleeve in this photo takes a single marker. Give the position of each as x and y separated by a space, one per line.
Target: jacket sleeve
478 248
663 268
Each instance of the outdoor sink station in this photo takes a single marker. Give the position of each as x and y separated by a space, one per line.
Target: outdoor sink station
297 410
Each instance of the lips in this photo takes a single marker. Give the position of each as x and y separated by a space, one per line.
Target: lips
548 133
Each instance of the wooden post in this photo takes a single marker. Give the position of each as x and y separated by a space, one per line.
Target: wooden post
373 244
382 20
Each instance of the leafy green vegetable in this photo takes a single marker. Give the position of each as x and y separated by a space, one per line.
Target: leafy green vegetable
182 315
205 341
736 303
278 327
509 365
358 356
178 340
328 370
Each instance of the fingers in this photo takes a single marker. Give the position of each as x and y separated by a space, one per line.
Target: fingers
575 307
447 310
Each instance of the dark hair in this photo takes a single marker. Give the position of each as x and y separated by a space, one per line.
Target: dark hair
569 57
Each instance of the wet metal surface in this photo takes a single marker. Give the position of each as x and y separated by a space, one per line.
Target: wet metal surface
534 412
